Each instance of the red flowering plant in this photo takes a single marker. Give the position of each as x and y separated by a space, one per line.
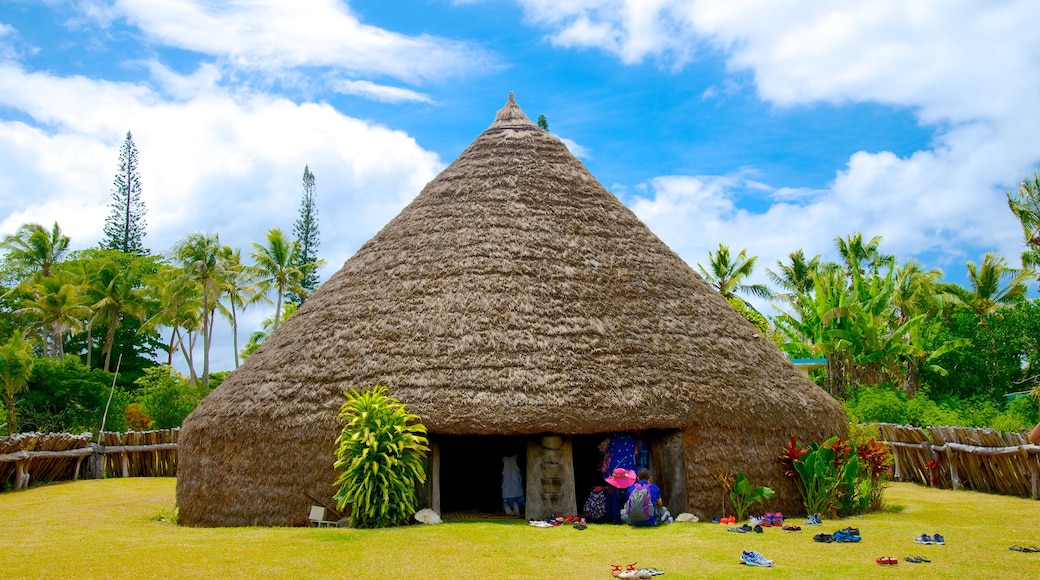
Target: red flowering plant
877 459
933 468
789 455
826 474
842 448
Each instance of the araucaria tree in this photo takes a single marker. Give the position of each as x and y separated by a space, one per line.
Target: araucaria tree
124 227
306 231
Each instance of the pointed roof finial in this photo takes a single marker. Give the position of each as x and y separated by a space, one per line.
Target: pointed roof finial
510 116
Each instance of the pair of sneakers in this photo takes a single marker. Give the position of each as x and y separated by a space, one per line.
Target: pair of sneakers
731 520
814 520
632 572
926 539
773 519
847 535
755 559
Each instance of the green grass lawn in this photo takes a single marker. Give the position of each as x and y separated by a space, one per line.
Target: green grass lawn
112 529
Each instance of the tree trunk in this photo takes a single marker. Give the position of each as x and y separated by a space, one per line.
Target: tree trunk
110 340
59 339
12 426
277 311
206 323
234 331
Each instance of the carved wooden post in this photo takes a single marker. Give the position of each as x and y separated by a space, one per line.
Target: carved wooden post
96 463
21 476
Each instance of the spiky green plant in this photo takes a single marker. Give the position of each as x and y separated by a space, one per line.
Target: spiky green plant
381 452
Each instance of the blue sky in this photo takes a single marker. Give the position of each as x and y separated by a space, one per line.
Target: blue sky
770 126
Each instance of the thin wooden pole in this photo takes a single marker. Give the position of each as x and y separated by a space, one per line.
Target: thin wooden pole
110 392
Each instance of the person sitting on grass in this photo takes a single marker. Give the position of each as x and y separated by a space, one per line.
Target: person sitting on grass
644 506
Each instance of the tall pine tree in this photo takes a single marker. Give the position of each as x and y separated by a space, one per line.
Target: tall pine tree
124 227
306 231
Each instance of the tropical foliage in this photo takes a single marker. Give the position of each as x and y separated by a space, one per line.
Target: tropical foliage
743 495
16 365
381 455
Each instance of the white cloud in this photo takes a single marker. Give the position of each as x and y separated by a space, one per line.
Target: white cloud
212 161
275 35
382 93
966 69
576 149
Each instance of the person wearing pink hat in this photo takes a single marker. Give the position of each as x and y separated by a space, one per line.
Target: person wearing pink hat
616 493
622 478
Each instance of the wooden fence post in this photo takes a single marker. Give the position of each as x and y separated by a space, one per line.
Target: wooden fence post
96 464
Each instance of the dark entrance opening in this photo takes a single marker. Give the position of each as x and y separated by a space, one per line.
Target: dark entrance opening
588 461
471 470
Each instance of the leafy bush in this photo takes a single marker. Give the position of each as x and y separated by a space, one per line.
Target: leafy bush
877 404
743 495
886 404
136 418
70 397
166 397
381 452
827 475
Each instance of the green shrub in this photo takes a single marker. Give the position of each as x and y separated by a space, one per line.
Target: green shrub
1018 415
828 475
70 397
166 397
381 453
877 404
743 495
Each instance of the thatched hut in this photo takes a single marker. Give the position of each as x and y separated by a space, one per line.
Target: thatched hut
519 308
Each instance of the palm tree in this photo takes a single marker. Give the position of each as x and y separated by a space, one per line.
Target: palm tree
57 306
992 285
238 294
863 256
199 255
917 291
16 365
260 336
111 290
918 302
35 250
274 269
796 278
178 305
1025 204
727 275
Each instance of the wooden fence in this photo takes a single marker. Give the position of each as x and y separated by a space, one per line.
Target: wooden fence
960 457
60 456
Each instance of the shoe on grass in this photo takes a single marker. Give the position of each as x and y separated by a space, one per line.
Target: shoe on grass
924 539
938 539
756 559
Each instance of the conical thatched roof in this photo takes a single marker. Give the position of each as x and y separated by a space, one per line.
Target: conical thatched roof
514 295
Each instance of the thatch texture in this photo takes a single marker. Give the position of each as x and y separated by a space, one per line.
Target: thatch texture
514 295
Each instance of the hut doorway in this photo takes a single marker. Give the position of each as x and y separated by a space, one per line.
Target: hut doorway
664 456
470 471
